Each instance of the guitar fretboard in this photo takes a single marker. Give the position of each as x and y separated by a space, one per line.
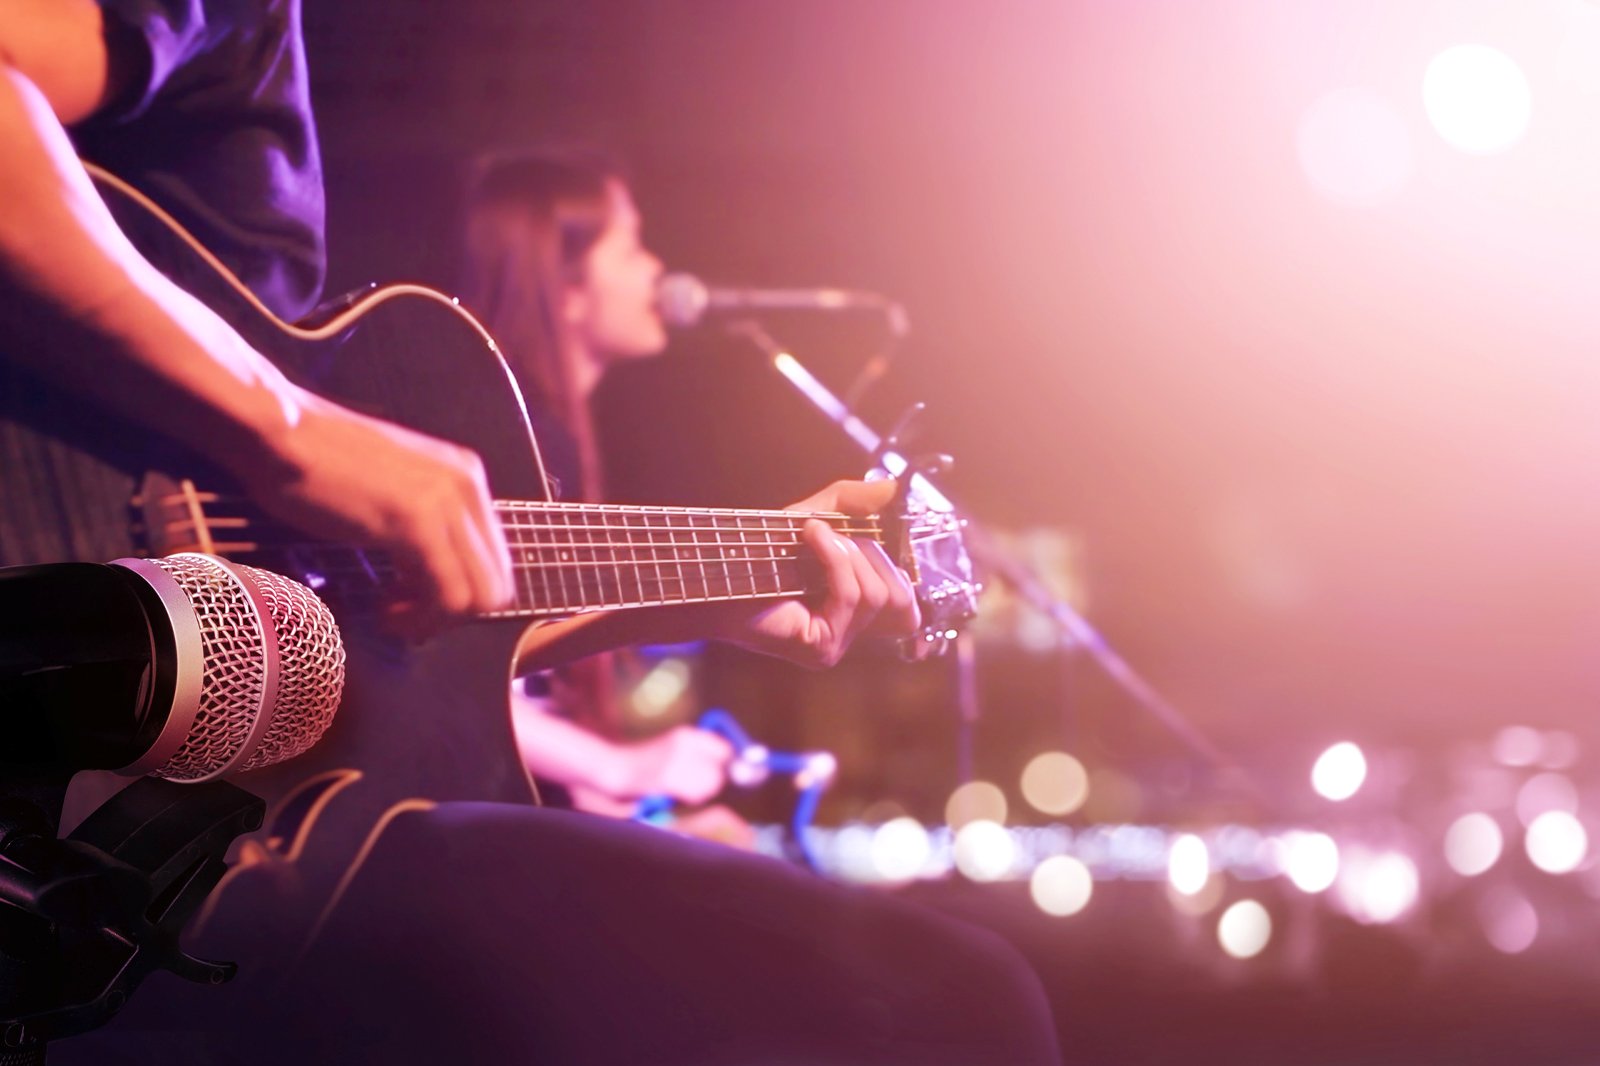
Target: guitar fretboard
572 557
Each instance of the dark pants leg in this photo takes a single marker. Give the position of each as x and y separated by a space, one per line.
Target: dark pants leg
480 933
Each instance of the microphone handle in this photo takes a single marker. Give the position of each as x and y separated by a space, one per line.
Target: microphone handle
86 653
791 300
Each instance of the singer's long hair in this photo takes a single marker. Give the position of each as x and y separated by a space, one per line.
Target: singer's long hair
531 219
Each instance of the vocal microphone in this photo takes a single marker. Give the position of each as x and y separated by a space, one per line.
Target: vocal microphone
188 667
683 300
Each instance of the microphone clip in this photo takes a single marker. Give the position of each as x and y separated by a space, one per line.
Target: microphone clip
86 918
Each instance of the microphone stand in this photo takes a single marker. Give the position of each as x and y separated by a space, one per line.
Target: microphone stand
84 919
1076 633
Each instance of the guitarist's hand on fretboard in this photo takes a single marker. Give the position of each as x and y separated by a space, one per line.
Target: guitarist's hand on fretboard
866 592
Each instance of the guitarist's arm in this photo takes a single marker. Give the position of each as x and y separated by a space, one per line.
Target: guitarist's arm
866 593
81 308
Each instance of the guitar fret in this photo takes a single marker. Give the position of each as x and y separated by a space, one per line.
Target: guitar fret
575 556
560 554
677 561
703 578
749 557
527 550
727 573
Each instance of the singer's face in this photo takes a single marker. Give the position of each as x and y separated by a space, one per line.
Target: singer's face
613 311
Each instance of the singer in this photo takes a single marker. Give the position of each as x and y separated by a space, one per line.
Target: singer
557 266
473 932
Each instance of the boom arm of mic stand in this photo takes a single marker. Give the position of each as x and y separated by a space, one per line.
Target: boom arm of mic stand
1075 630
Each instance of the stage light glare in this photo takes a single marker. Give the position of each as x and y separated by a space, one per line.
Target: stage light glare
1311 860
900 849
1543 793
1472 844
1055 783
975 801
1510 922
1244 929
1061 886
850 854
984 851
1477 98
1556 842
1339 772
1354 147
1378 888
1518 745
1188 864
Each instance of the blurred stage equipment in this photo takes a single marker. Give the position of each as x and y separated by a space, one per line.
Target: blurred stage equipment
190 667
753 764
1076 632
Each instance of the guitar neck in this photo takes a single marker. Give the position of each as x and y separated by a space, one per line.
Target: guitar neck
571 557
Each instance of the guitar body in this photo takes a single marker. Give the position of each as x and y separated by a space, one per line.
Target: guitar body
417 721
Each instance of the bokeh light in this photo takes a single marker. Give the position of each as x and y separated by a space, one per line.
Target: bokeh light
900 849
1354 147
1543 793
1518 745
662 687
1377 888
1061 885
1472 844
984 851
1055 783
975 801
1244 929
1188 864
1339 772
1556 842
1477 98
1311 861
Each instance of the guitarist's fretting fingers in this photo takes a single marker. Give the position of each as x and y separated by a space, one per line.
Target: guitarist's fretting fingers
833 624
899 616
874 591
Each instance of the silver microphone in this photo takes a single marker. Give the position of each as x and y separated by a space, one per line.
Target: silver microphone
269 672
683 300
188 667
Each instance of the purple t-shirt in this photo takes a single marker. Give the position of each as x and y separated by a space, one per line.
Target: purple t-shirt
214 123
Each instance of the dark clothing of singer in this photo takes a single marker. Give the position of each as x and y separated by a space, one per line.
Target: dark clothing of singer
492 933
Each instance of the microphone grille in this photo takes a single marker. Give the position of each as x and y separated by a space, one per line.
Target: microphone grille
681 299
310 669
272 673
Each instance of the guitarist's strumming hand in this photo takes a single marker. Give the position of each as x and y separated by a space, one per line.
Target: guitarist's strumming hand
345 476
867 593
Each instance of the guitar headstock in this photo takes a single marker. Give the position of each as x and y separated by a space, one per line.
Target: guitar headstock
926 537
